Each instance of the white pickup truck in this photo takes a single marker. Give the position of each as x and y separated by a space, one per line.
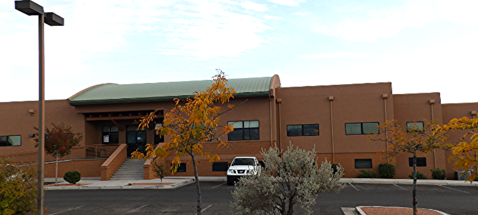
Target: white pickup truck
241 166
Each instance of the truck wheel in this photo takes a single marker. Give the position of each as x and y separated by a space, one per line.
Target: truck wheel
230 181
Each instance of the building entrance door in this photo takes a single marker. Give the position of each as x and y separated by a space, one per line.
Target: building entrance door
136 139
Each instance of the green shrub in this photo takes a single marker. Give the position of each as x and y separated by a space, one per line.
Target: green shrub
366 174
438 173
72 177
386 170
419 175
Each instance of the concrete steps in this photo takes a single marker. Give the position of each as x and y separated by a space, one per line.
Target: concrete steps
132 169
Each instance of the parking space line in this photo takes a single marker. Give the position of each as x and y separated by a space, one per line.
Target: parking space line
219 185
353 186
205 208
70 209
453 189
401 187
134 210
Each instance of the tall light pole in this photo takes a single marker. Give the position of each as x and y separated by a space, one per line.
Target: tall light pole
32 8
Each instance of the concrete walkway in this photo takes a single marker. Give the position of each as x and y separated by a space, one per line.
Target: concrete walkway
172 182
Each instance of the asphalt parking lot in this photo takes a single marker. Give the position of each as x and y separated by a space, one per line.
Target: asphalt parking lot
216 198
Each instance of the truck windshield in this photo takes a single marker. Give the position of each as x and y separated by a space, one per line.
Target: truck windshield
243 161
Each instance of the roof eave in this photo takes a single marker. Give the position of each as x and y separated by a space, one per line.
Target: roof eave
161 98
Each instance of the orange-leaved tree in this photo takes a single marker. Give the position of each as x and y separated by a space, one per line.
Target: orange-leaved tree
465 153
190 124
59 140
416 138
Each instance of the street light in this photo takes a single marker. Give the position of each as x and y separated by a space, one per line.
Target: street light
52 19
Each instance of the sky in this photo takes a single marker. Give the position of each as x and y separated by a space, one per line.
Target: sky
419 46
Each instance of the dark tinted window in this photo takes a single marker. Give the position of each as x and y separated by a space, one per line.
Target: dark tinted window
361 128
421 161
219 166
182 167
244 130
294 130
14 140
311 130
242 161
363 163
303 130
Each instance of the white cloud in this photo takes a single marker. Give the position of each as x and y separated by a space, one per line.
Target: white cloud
369 24
210 30
287 2
254 6
338 55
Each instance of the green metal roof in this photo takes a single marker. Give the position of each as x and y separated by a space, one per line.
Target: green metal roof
115 93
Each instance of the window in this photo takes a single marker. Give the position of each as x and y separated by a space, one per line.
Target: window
244 130
219 166
421 161
110 134
303 130
13 140
182 167
157 138
135 136
361 128
363 163
415 126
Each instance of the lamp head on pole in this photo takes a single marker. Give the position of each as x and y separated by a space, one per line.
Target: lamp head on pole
53 19
29 7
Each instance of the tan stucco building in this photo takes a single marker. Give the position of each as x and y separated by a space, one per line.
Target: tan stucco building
333 119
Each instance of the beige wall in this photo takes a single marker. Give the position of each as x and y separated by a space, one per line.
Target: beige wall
451 111
18 121
298 105
350 104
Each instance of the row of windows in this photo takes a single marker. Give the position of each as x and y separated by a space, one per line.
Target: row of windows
350 128
133 135
249 130
367 163
12 140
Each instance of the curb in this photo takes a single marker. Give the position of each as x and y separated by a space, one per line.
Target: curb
409 182
361 212
126 187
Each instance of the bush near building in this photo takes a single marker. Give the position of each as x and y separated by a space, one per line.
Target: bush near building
72 177
438 173
386 170
420 175
366 174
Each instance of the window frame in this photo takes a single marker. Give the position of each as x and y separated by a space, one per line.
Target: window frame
410 161
363 159
415 122
244 129
181 167
361 128
302 130
8 137
103 133
218 164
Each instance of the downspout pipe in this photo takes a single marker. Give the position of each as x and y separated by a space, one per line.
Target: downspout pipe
332 142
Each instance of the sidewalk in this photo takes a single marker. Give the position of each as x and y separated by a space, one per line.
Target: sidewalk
172 182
